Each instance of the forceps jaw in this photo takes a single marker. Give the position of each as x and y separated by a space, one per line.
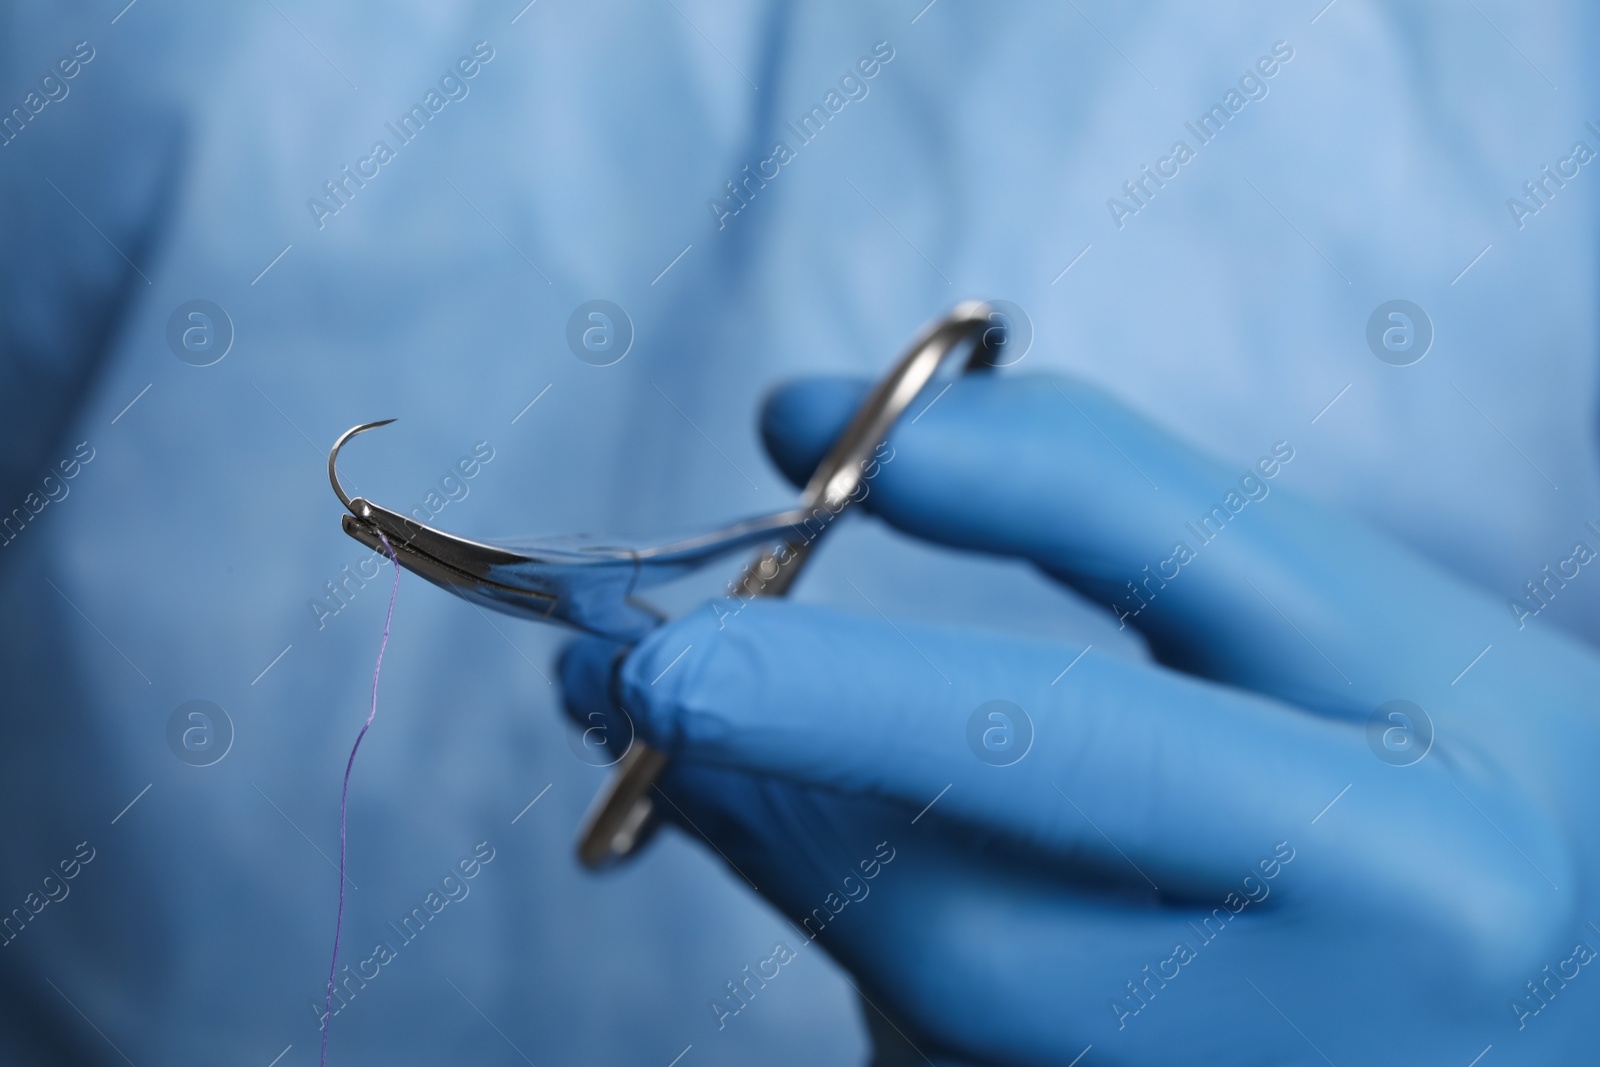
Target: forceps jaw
589 586
360 525
430 552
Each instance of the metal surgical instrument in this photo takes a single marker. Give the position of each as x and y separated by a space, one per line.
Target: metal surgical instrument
590 584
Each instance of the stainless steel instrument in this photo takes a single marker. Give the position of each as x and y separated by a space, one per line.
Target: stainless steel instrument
590 584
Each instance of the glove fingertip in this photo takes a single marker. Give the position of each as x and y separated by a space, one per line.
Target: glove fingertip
585 669
801 419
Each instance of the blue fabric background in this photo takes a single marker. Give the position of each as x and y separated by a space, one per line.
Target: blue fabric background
187 553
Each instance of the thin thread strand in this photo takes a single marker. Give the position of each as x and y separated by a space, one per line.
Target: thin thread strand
344 796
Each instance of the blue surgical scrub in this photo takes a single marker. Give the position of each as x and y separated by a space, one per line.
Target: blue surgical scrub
398 212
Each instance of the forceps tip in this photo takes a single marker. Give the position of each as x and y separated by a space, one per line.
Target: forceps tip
333 457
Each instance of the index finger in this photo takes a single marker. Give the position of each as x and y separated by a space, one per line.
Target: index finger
1226 570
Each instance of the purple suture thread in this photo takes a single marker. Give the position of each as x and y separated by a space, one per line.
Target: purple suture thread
344 797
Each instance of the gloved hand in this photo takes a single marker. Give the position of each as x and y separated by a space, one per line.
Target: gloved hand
1230 855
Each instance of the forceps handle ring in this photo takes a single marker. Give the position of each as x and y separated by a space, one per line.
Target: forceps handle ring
624 815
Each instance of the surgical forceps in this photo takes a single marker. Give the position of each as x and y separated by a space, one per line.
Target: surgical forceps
590 584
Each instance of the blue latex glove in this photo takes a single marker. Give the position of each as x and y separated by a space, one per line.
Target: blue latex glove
1211 859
